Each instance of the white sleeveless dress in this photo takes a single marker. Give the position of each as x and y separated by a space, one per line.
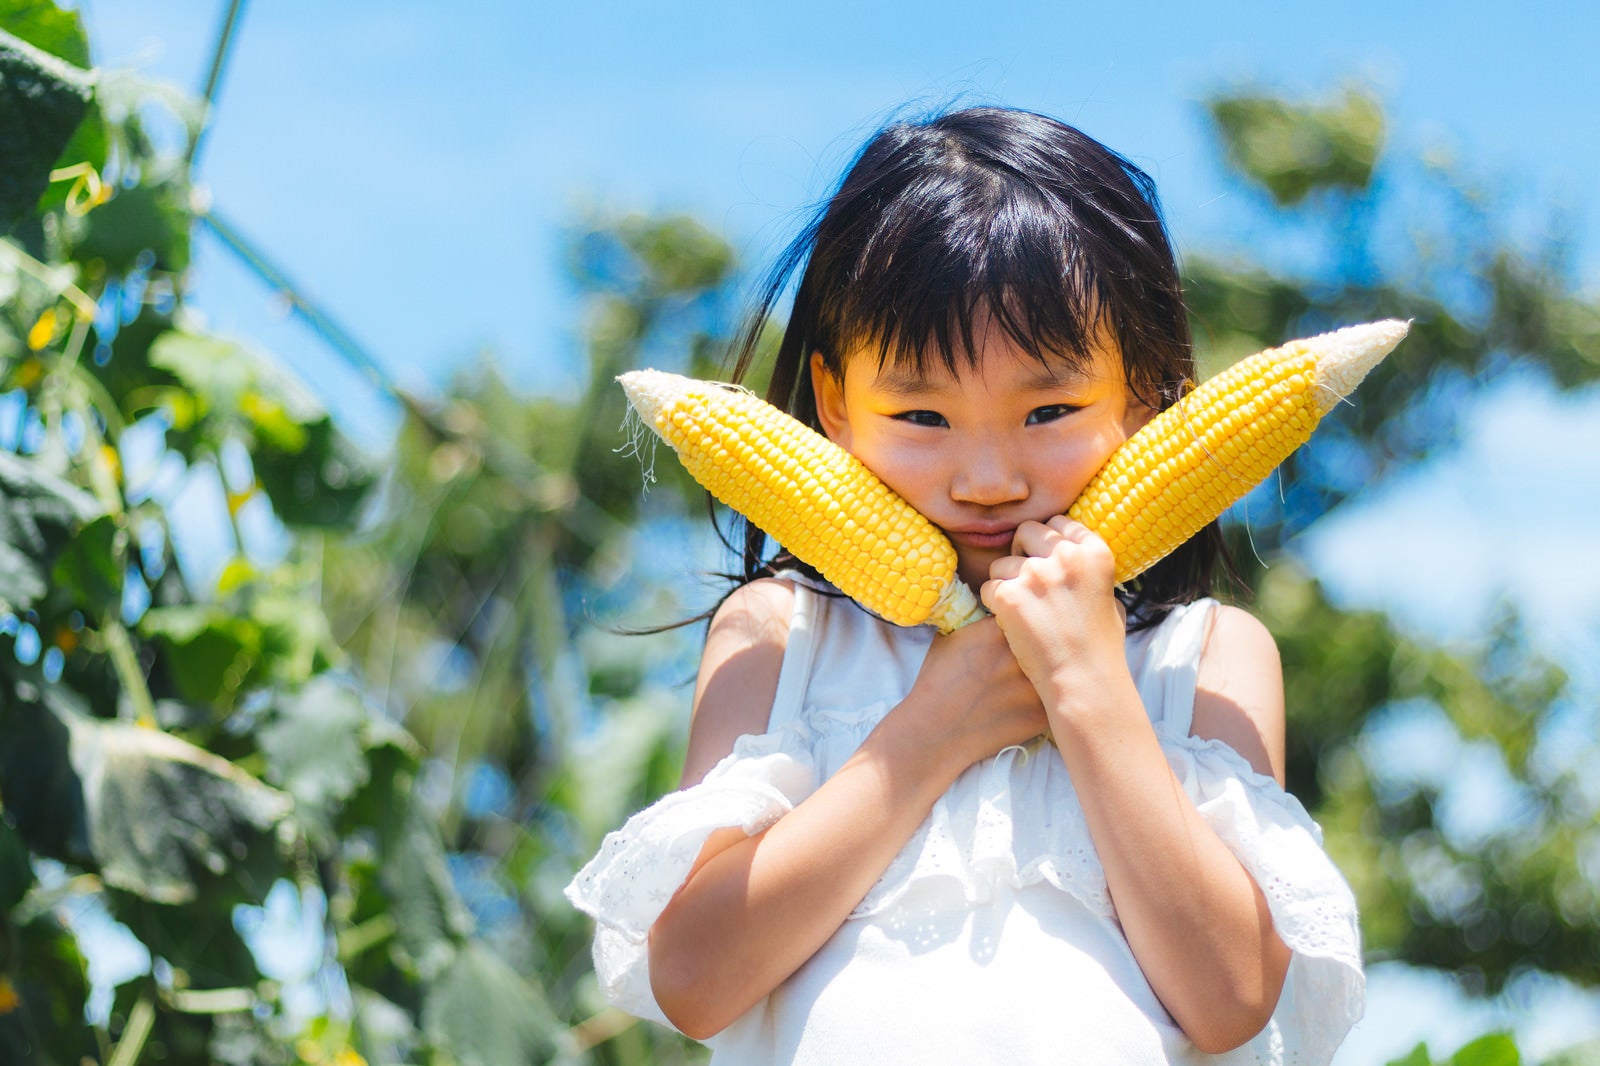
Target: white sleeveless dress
991 937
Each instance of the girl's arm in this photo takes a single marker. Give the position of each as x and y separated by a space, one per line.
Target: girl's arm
1196 921
755 908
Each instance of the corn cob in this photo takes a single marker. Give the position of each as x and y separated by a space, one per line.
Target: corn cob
1193 460
810 495
1158 489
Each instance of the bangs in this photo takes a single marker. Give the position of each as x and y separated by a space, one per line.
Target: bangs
957 253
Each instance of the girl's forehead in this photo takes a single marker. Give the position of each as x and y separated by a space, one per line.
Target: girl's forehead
994 351
997 360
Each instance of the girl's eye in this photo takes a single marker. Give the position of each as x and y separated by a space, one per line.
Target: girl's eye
922 418
1050 413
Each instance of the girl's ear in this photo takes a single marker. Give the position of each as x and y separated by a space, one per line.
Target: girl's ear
829 393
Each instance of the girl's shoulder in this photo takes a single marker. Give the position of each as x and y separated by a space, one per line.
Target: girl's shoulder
765 601
739 670
1239 689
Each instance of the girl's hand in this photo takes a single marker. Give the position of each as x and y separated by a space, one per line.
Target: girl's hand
1053 598
973 697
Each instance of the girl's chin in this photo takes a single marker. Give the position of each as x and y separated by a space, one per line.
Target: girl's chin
973 566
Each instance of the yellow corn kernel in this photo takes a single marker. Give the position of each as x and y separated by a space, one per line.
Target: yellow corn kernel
830 511
1195 459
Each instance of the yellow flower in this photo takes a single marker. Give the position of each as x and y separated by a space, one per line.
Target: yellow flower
43 331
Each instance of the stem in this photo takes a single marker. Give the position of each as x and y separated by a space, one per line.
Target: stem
119 645
357 940
320 321
126 662
219 60
141 1021
212 1000
598 1028
81 303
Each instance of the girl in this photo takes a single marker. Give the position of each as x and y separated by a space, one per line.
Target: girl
873 857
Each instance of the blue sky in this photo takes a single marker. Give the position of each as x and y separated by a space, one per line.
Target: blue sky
411 164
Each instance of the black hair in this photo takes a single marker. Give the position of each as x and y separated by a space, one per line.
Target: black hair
985 214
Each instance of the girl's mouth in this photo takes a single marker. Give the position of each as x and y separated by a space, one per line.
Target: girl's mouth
985 540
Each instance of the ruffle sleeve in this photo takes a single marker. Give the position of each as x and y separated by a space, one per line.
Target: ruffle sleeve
639 867
1313 909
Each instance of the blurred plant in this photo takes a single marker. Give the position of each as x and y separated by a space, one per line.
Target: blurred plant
180 736
1398 237
476 607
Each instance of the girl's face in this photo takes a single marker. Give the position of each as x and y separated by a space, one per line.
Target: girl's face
981 452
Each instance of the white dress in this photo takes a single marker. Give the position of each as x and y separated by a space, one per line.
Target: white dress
991 936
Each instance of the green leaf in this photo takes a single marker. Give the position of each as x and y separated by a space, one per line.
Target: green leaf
48 28
214 368
1417 1056
392 757
50 979
313 744
1294 149
198 936
1492 1049
384 1031
164 814
16 868
41 790
414 877
40 514
320 484
152 216
295 642
236 379
153 813
312 474
59 32
88 571
42 101
410 889
212 654
481 1013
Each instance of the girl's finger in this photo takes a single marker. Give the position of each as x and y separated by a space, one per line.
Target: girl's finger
985 591
1033 538
1005 567
1069 528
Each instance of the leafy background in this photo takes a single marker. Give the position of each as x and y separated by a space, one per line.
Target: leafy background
312 702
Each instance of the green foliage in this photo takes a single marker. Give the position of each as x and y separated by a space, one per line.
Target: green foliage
1491 1049
42 101
1293 149
474 604
1488 905
172 748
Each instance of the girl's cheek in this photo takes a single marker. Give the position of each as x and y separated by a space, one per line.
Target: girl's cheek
911 473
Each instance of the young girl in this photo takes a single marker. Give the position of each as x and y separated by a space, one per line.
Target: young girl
874 857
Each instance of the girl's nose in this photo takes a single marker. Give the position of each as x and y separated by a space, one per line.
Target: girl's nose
988 476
